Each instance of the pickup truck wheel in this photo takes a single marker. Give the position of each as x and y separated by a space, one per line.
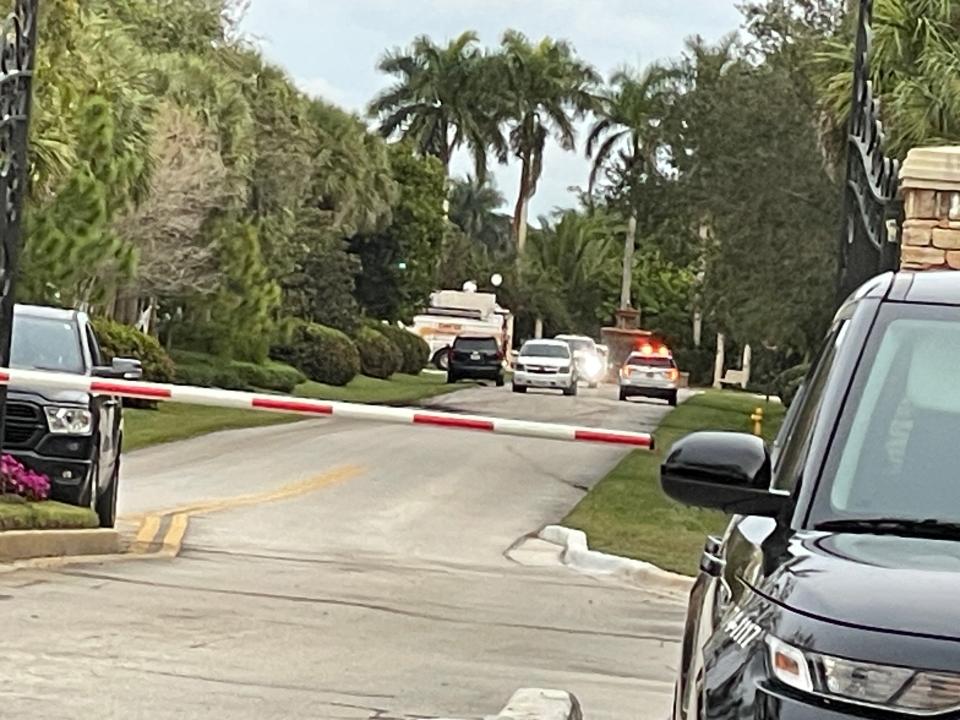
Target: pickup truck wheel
673 399
623 396
451 378
500 380
519 388
106 505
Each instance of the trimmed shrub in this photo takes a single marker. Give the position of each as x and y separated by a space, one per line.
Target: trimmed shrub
323 354
194 368
270 376
379 356
119 340
413 348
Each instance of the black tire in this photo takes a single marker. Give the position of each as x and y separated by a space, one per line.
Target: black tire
519 388
451 378
107 502
623 396
673 399
500 381
441 360
570 391
593 386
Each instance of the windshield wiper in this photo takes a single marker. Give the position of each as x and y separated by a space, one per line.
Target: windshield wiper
929 527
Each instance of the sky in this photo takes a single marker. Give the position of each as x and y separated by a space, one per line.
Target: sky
331 48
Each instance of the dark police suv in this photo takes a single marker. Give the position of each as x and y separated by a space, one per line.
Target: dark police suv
835 590
73 438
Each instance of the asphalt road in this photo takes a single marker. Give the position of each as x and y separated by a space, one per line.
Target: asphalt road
344 570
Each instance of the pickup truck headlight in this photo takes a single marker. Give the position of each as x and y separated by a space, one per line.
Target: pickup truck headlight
69 420
900 689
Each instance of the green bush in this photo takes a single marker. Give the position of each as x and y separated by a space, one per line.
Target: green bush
194 368
413 348
323 354
119 340
270 376
379 356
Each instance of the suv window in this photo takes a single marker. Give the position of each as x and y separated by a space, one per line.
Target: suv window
545 350
894 452
472 344
793 448
657 361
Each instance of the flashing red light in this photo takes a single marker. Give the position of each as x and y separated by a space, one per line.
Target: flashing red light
653 348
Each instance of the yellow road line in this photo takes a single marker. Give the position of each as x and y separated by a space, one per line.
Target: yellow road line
179 516
173 540
146 534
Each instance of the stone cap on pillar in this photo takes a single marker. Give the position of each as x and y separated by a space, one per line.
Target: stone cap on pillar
932 168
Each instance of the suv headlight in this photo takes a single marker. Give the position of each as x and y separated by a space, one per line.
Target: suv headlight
900 689
592 366
69 420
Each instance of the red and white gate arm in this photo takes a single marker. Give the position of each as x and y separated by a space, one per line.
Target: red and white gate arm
42 380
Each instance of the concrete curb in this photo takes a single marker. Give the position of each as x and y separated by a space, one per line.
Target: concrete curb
578 555
541 704
31 544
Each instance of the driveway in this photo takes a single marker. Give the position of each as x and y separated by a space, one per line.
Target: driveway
346 570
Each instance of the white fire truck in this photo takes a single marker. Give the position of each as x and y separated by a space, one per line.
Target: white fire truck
462 312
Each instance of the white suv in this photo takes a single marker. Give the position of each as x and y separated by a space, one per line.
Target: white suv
650 374
545 364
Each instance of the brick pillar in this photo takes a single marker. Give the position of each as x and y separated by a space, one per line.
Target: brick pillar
930 183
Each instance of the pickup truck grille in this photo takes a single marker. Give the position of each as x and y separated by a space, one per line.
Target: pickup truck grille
24 425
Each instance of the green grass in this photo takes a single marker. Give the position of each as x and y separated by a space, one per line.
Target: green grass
628 514
172 422
47 515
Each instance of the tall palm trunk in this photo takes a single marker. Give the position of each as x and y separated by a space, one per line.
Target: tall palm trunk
522 207
629 243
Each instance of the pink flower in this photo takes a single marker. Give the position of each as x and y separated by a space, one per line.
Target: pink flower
21 481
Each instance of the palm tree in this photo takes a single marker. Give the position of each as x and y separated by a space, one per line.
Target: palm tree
546 88
474 206
915 61
624 144
439 101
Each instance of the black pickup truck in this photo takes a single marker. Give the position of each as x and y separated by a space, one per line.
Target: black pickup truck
73 438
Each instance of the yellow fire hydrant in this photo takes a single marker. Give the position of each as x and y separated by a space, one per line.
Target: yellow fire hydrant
757 418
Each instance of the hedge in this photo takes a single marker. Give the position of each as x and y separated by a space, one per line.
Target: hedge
413 348
323 354
195 368
119 340
379 356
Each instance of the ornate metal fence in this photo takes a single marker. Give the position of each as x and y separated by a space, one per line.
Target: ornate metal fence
17 55
872 212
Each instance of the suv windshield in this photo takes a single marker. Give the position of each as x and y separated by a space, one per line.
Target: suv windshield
485 344
41 343
544 350
894 455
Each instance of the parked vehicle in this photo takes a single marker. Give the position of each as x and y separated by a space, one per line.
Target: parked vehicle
475 357
73 438
590 366
650 372
453 313
545 364
832 593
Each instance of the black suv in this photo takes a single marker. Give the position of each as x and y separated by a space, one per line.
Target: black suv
475 357
73 438
833 592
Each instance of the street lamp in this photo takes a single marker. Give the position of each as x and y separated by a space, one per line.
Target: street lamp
496 280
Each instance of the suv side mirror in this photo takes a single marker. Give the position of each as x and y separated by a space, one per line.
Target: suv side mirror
121 369
722 471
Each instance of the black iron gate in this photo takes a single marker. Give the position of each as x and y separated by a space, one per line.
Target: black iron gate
17 51
872 211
